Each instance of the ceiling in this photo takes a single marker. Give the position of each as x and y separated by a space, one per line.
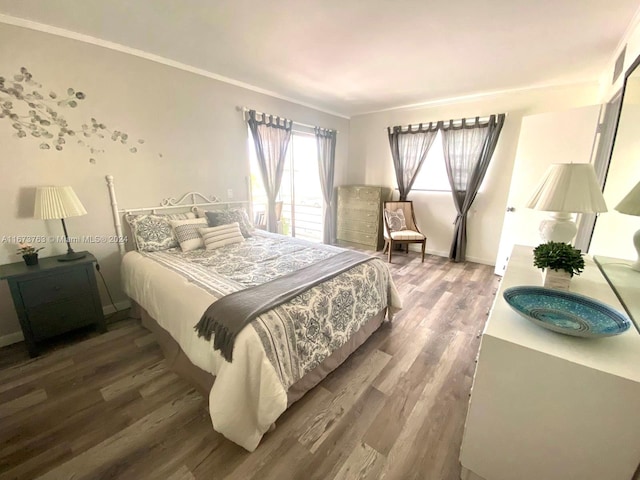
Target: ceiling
357 56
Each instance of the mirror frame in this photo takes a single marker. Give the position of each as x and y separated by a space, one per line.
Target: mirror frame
621 290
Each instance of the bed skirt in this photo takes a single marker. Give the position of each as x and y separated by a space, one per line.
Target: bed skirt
178 362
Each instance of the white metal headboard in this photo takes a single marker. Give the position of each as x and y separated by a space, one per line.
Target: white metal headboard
190 200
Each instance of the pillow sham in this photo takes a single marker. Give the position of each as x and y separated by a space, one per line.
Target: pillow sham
187 234
396 220
216 237
233 215
152 232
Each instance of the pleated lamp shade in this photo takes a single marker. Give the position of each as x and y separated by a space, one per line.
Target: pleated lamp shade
630 204
56 203
569 187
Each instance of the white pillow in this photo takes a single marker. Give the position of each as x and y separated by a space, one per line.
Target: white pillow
152 232
216 237
186 232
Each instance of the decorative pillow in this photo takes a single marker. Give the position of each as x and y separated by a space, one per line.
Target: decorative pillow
152 232
216 237
234 215
396 220
186 232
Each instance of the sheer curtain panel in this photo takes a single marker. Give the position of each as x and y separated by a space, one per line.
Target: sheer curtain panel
468 148
271 137
326 141
409 149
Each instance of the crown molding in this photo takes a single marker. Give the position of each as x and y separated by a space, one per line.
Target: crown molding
61 32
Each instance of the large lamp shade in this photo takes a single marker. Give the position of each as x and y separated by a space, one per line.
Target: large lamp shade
566 188
59 203
56 203
570 188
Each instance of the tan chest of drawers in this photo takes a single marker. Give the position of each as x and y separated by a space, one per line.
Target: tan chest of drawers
360 215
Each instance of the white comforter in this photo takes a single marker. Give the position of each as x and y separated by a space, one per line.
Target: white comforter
241 410
248 394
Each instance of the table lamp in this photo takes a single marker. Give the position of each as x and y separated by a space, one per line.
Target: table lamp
630 205
565 189
59 202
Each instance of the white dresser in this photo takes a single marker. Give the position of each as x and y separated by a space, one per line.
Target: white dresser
546 406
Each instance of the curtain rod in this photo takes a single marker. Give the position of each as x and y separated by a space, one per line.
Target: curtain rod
456 121
245 110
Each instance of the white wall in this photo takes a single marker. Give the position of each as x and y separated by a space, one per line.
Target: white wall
190 119
370 161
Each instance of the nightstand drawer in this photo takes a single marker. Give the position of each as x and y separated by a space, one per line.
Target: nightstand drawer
60 317
57 286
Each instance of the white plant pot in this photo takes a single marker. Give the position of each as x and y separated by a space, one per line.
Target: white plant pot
556 279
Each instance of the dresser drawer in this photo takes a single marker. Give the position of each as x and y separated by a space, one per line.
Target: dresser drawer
359 193
57 286
351 215
364 205
358 237
358 226
52 319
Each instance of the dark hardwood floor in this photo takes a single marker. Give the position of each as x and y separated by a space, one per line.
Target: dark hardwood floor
104 406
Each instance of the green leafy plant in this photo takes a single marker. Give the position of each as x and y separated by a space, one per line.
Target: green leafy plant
558 256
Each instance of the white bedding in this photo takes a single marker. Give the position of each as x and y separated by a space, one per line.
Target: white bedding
248 394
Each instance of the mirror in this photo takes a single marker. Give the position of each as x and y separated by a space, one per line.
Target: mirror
613 232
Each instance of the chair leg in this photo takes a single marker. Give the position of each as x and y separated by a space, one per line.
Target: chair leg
407 247
424 244
386 245
390 249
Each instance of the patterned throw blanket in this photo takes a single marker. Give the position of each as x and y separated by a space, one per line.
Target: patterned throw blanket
226 317
299 334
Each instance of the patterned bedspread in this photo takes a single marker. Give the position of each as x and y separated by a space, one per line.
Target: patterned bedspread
300 334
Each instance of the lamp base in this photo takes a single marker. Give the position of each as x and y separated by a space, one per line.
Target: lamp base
70 257
560 227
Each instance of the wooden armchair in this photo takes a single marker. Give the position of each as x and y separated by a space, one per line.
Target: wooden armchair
398 232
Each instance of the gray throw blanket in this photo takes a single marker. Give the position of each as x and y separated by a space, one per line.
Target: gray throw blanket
226 317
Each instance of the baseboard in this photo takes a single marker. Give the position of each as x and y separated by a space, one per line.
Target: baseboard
467 474
16 337
108 309
484 261
11 338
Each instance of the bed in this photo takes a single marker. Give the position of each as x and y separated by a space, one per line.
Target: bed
279 355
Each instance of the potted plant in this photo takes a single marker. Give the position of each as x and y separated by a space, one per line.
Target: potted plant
29 253
559 262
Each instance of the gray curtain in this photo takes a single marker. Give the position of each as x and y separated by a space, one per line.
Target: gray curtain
468 149
326 141
409 150
271 136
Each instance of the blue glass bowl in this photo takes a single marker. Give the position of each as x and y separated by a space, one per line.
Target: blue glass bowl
566 312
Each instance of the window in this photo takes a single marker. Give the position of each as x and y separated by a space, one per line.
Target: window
433 173
300 190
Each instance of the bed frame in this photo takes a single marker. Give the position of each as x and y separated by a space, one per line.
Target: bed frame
189 201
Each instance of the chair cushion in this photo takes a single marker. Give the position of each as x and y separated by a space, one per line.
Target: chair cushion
396 220
407 235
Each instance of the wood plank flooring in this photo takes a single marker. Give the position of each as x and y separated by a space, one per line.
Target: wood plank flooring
105 406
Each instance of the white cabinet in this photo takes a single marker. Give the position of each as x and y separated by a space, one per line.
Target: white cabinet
550 406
